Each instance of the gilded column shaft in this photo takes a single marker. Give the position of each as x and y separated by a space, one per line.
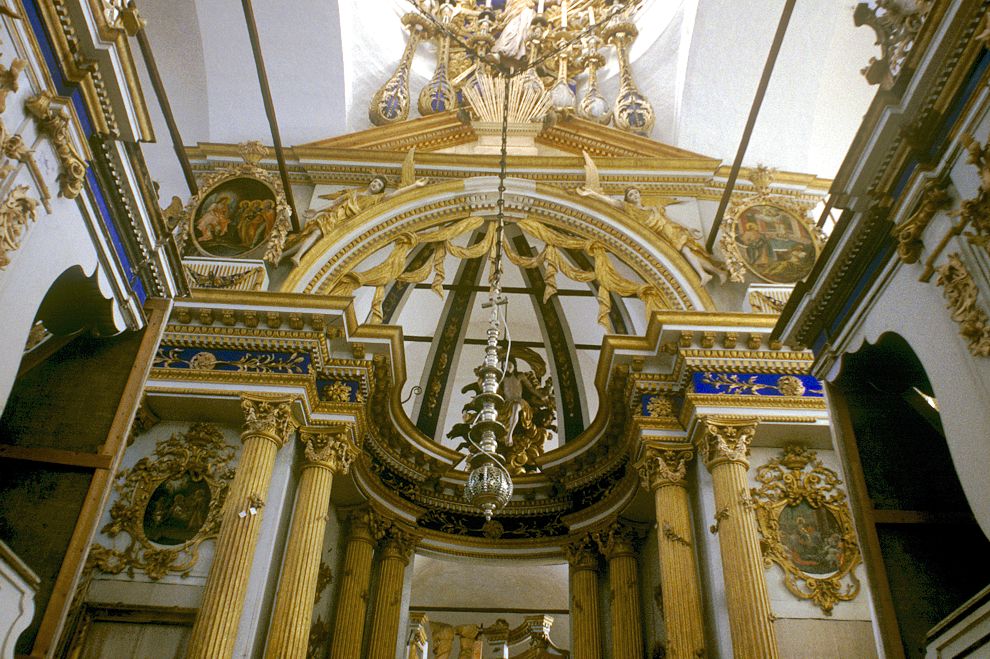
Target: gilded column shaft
348 630
679 574
215 629
326 452
664 471
388 596
725 447
585 618
617 545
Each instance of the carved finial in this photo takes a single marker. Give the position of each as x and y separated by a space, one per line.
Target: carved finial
762 177
252 152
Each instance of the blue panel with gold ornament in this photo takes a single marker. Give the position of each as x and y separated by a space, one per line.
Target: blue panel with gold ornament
238 361
757 384
339 391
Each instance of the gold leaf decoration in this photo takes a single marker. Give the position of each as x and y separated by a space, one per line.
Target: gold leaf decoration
804 519
167 504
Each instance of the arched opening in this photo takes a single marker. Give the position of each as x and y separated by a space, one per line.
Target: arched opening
922 545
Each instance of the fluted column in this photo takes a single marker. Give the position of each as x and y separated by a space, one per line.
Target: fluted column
268 421
663 470
586 636
348 630
724 446
327 451
397 548
618 544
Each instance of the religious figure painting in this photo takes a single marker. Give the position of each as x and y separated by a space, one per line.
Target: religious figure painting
235 218
774 244
813 538
177 509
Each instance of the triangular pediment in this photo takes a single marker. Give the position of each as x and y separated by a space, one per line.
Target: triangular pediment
570 135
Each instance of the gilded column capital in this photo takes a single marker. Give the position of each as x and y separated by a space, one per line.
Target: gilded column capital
364 524
267 416
726 441
397 543
663 466
617 540
328 447
583 554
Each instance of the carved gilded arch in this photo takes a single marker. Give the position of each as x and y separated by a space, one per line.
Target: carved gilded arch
545 212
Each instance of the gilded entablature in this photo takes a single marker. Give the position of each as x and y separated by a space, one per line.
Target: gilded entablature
167 504
805 522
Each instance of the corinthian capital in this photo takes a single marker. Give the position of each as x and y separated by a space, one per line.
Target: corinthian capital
330 448
726 441
268 416
398 543
662 466
583 554
617 540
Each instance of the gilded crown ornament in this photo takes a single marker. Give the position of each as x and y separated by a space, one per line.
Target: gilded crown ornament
546 45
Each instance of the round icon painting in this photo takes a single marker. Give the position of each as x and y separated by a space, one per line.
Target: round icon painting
775 244
234 218
177 509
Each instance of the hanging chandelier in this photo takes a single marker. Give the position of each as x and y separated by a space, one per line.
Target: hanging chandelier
489 484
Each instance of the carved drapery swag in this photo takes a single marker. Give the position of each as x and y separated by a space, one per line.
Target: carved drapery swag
168 504
803 516
393 268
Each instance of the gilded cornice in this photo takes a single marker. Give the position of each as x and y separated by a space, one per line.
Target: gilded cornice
86 72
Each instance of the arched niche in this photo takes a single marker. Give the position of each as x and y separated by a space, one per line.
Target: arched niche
923 547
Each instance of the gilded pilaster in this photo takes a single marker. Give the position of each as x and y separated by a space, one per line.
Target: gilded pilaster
618 544
586 634
724 447
663 471
267 422
327 451
348 630
397 548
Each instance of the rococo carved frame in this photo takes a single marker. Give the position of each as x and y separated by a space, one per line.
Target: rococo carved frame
795 482
202 452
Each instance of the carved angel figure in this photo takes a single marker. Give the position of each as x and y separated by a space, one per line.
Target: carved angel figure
679 237
345 204
528 411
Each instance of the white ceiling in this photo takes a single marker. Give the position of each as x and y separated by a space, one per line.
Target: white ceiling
698 61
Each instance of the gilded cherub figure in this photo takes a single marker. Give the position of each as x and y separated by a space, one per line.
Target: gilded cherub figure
681 238
347 203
